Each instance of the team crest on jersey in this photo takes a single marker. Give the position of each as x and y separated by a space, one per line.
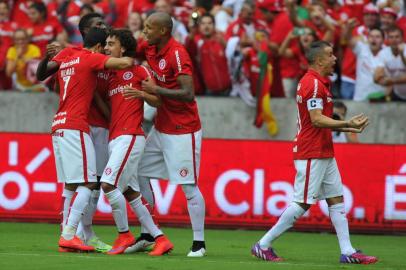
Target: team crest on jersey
48 28
162 64
107 171
128 75
184 172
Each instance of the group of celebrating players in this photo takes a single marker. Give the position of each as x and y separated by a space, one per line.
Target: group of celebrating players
99 142
98 138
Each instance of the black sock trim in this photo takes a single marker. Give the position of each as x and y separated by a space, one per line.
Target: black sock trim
198 245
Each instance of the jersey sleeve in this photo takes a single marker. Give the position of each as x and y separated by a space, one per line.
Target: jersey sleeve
313 94
181 63
97 61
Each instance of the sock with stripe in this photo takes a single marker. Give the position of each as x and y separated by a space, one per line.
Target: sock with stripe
79 205
340 222
119 209
285 222
145 217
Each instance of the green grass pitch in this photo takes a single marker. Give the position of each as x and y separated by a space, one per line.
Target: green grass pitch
34 246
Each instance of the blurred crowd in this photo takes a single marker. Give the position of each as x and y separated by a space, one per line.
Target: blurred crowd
235 45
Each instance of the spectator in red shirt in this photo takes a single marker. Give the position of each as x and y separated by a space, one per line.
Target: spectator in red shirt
210 58
295 46
245 26
319 22
6 40
42 30
19 12
323 28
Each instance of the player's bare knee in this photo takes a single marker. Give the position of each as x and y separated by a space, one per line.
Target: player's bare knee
91 186
304 206
335 200
71 187
131 194
107 187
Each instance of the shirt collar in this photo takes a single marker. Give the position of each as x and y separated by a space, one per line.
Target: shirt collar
324 80
166 47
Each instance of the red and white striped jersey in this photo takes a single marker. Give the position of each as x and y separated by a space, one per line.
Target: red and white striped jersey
313 92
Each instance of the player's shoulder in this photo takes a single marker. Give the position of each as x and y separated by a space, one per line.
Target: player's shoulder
307 79
142 72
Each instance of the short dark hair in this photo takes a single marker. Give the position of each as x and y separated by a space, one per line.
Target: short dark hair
315 49
207 15
127 40
41 8
94 37
377 29
396 28
85 22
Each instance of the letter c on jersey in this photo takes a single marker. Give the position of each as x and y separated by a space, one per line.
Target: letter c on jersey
313 103
219 192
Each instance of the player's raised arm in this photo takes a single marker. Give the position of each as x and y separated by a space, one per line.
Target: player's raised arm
46 67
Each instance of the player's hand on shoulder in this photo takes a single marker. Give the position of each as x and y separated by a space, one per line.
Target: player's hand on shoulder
358 121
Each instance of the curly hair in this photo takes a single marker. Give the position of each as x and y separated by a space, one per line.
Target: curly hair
126 39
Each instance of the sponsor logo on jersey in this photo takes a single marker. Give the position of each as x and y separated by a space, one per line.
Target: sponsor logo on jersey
70 63
183 172
162 64
107 171
159 78
178 61
119 89
128 75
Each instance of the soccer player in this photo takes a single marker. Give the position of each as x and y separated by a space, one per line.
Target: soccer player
317 176
172 149
98 132
127 144
73 147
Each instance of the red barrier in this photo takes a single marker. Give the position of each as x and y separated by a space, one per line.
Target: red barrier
245 184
